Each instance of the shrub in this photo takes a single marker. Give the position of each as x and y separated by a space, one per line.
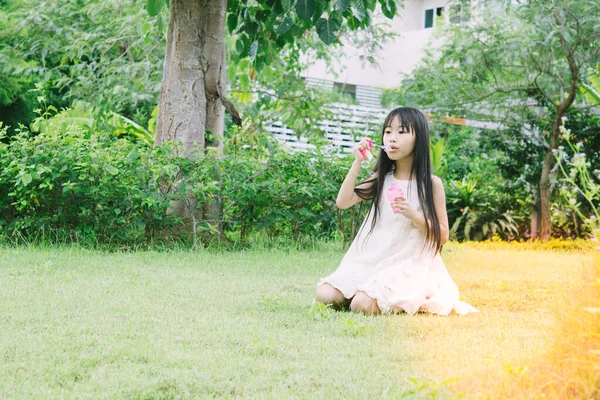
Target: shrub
288 194
70 184
92 189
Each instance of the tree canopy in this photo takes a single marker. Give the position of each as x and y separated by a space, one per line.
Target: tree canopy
518 64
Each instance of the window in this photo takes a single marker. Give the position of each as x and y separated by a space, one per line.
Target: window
429 16
345 88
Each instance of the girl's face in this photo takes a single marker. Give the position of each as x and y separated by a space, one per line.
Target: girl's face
400 139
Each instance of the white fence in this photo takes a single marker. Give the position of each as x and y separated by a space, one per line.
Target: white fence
351 122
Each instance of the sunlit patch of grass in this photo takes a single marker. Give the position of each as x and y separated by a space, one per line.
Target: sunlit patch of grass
553 244
570 366
527 324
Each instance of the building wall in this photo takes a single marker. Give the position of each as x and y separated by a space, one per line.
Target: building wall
399 56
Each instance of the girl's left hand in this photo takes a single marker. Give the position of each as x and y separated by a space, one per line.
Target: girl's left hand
402 206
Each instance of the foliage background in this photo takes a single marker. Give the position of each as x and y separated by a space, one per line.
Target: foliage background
96 66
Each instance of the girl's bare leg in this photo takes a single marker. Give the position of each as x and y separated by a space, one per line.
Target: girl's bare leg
361 303
327 294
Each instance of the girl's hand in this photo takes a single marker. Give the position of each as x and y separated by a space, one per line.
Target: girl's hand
402 206
365 144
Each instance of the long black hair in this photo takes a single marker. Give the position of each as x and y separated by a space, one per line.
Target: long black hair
412 120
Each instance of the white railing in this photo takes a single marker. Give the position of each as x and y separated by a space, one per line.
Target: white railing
350 123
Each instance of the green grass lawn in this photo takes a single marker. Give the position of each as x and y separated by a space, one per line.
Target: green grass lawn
149 325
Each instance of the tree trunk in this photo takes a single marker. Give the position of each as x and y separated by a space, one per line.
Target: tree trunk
545 206
545 192
563 106
193 82
535 216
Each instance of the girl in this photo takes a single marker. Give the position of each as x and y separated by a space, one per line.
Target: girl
394 263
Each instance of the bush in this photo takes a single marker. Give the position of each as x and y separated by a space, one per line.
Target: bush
93 189
68 184
290 194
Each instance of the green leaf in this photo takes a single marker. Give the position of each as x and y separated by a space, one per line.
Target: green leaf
160 24
26 179
341 5
231 72
328 29
286 5
370 4
455 225
591 94
239 46
285 25
112 170
232 22
468 226
244 65
146 28
251 28
253 49
388 7
358 9
305 8
244 82
154 7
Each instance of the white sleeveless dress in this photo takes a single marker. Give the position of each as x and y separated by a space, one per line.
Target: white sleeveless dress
390 266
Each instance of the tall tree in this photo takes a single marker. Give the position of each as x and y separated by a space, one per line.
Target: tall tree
520 63
193 92
107 53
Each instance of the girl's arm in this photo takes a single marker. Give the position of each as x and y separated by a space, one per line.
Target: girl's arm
439 202
346 196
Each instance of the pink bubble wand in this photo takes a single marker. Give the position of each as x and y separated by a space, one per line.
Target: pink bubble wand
368 156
